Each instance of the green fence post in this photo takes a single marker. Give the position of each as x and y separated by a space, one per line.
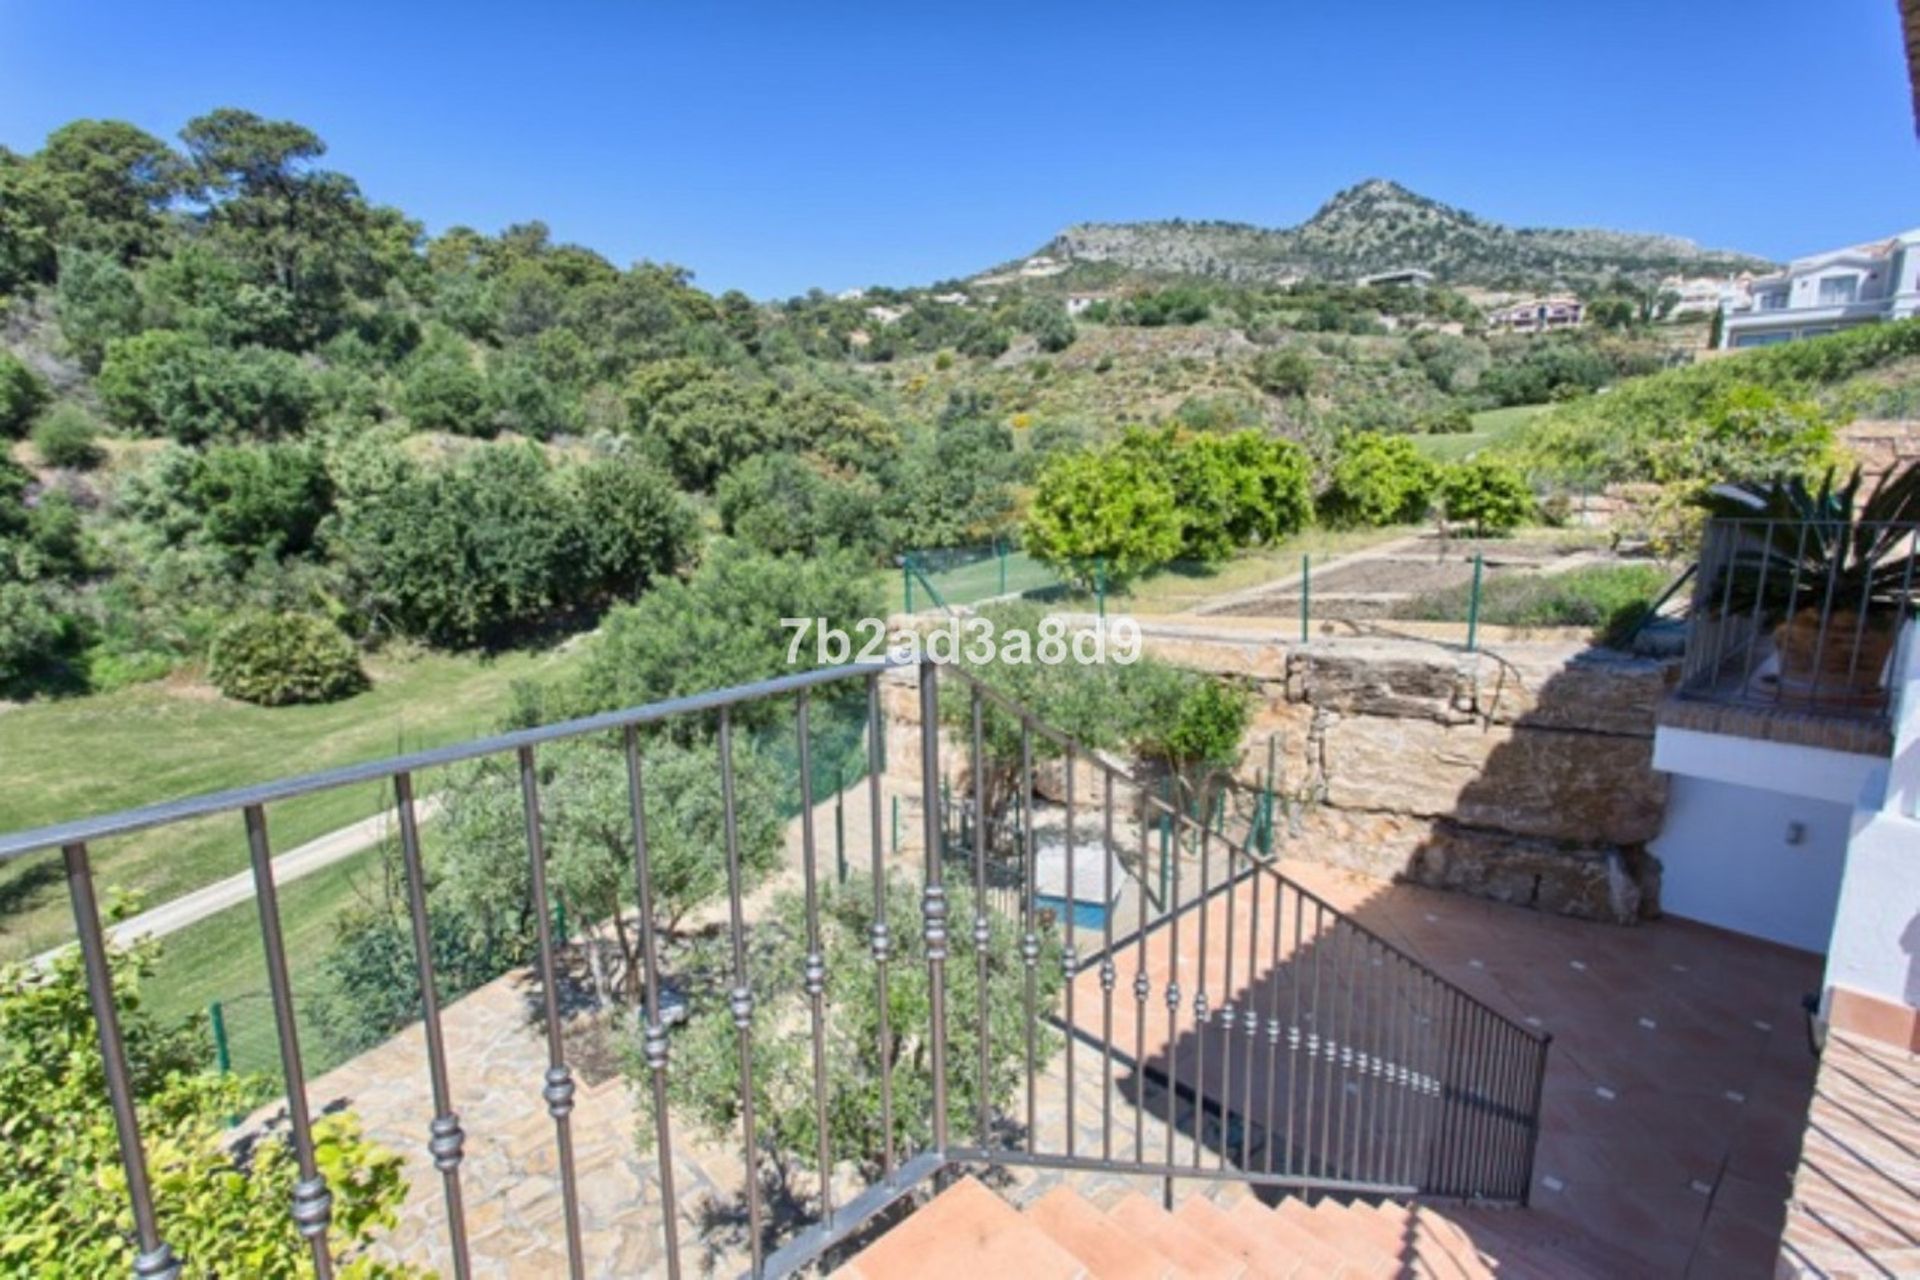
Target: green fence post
896 824
1100 585
1001 548
1473 606
560 920
1305 593
222 1052
906 581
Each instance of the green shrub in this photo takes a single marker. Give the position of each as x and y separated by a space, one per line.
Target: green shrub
1491 496
1286 372
22 393
276 659
65 437
164 382
1379 480
1115 507
38 643
1653 424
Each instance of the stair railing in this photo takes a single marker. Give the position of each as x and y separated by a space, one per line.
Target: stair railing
1304 1051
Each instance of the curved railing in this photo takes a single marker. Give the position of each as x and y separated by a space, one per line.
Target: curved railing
1290 1046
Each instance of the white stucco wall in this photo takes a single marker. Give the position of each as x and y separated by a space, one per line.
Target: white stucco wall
1876 934
1760 862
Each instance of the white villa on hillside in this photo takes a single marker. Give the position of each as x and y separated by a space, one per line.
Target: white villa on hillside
1538 315
1828 291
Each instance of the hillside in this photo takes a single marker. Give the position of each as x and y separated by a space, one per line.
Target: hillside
1381 226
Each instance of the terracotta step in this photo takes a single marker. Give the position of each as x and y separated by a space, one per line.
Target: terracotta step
1107 1247
1326 1222
1421 1242
1254 1249
1444 1243
965 1233
1192 1252
1289 1239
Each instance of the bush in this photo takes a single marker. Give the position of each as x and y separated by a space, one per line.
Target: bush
277 659
164 382
1379 480
65 437
1491 496
1286 372
260 499
445 392
222 1203
22 393
38 643
1115 507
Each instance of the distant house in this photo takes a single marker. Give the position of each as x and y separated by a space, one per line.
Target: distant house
1406 278
887 315
1079 302
951 299
1825 292
1538 315
1702 295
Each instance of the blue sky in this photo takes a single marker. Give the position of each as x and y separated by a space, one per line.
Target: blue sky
780 146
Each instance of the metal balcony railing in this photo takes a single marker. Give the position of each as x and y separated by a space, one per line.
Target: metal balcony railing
1800 616
1265 1036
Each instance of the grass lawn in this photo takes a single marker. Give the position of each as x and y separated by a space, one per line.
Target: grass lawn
75 757
1179 587
221 958
1490 427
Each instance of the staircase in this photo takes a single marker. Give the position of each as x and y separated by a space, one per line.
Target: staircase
969 1233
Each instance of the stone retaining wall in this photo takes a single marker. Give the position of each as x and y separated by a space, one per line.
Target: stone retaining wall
1522 773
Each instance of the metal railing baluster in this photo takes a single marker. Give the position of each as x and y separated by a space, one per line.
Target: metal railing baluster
933 899
312 1201
1029 935
813 975
1070 961
1202 1010
740 998
982 934
558 1087
445 1140
1251 1029
1228 1014
1173 1008
1109 973
154 1259
880 940
654 1038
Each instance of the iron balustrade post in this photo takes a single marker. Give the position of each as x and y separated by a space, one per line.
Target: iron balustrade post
153 1259
558 1089
740 999
1228 1014
1202 1009
982 932
879 940
1142 984
654 1038
1108 973
813 975
312 1201
1536 1099
1070 960
446 1141
1029 936
1173 1008
1250 1029
933 908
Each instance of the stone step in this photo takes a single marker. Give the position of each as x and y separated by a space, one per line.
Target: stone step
1108 1247
965 1233
1191 1251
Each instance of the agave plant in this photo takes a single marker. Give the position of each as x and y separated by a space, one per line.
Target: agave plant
1795 547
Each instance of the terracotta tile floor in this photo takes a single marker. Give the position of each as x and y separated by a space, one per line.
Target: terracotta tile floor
1677 1085
1856 1195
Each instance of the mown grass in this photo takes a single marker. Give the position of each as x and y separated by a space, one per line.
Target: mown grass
1491 428
75 757
1609 599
